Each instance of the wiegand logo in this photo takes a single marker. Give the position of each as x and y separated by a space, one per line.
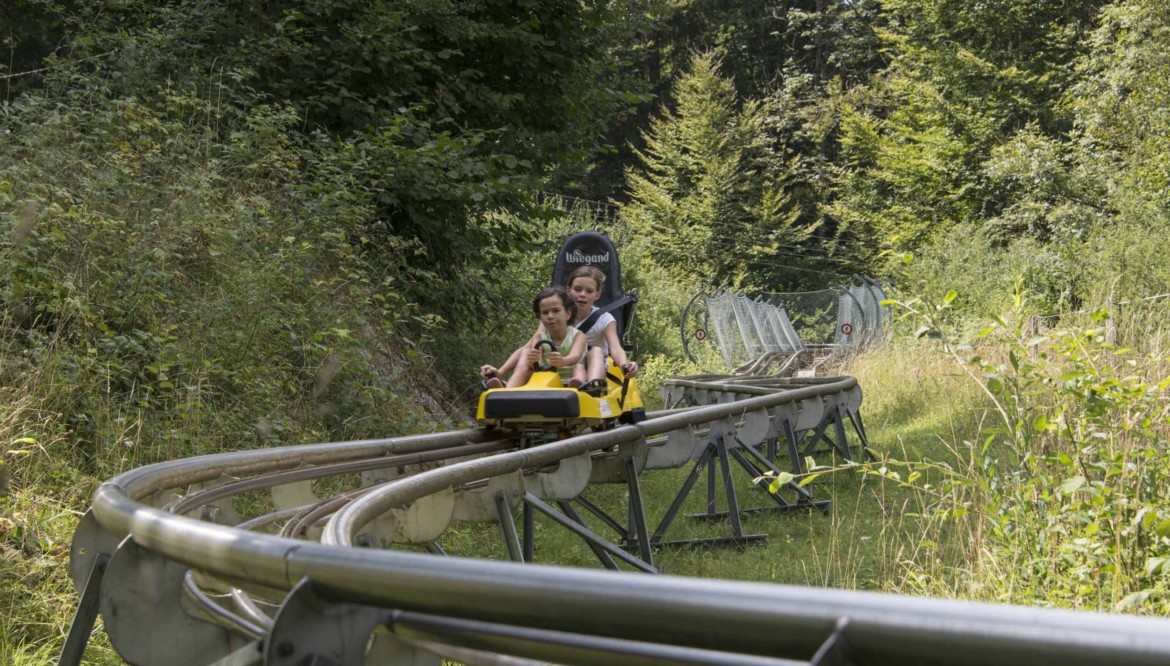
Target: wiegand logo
579 257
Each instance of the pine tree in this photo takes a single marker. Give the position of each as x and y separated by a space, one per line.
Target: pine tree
705 195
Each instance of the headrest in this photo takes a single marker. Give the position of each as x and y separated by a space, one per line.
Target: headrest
593 248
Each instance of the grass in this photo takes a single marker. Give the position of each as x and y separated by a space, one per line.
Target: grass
887 530
871 538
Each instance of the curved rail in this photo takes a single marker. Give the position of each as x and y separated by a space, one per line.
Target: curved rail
295 601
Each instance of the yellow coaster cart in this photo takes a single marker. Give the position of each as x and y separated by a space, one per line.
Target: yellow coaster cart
546 404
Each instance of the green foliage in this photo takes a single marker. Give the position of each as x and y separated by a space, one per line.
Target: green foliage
440 112
1051 198
923 144
147 294
1057 492
1121 110
985 271
703 197
903 176
1009 61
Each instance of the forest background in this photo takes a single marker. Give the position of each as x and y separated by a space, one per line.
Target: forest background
228 225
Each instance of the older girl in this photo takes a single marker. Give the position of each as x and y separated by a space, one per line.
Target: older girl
585 285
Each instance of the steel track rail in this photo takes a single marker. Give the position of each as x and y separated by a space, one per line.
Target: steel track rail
537 611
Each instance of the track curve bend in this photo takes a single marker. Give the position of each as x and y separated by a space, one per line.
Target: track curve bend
327 554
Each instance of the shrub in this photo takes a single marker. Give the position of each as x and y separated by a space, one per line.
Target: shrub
1056 499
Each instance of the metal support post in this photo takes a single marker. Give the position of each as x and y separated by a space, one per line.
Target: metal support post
793 446
817 435
839 430
729 488
859 427
589 535
682 494
638 513
834 651
529 534
602 555
712 507
604 517
86 615
511 539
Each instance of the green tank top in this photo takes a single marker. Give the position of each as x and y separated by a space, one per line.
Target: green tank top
566 372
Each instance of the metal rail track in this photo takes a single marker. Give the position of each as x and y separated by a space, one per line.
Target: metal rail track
179 577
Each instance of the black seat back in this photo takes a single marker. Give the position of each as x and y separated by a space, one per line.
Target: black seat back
594 248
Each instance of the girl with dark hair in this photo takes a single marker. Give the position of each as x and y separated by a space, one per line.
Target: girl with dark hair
554 309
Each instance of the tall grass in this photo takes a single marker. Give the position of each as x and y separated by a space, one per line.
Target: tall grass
1020 466
41 497
1051 494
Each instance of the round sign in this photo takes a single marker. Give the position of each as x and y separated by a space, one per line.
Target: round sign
846 329
700 334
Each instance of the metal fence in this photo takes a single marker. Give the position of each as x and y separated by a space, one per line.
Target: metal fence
747 333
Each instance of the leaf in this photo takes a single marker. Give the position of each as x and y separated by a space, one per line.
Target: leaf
1155 565
1132 600
809 479
782 479
1073 484
950 297
994 385
1162 528
1041 424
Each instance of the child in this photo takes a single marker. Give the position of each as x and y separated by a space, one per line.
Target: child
585 285
554 309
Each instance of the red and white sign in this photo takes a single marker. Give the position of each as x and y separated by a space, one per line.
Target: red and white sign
700 334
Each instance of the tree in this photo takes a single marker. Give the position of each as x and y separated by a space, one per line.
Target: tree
443 110
1122 112
704 196
923 144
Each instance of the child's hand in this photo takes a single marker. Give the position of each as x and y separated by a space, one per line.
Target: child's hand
534 357
630 368
487 372
557 361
